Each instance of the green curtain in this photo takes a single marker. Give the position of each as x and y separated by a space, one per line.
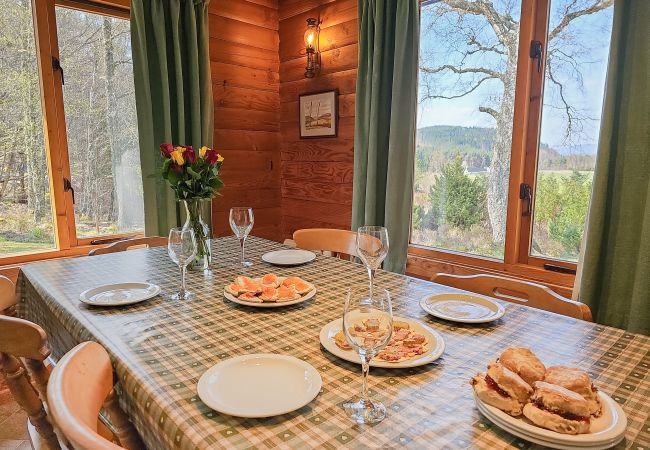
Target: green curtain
384 142
615 279
173 91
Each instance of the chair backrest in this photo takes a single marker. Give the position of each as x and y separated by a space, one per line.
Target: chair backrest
23 339
516 291
81 385
125 244
339 242
7 294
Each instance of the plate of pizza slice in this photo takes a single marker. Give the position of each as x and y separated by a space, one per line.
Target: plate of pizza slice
412 344
269 291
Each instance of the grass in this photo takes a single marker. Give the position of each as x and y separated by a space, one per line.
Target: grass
9 247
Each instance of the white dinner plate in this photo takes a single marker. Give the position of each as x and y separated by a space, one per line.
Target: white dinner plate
119 294
436 345
259 385
606 430
288 257
464 308
302 298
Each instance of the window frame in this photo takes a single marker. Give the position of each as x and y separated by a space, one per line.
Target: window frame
55 132
517 259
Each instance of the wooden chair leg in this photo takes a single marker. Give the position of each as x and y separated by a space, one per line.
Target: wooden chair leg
120 424
27 397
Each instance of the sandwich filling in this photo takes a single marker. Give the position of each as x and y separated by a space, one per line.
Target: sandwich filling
494 386
565 415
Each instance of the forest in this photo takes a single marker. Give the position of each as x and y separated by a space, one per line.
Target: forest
102 139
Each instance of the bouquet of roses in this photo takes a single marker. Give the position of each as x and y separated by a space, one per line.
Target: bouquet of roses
191 175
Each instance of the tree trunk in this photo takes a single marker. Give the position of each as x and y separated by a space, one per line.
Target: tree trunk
498 178
124 172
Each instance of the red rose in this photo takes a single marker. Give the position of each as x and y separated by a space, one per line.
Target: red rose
189 155
166 149
211 157
176 168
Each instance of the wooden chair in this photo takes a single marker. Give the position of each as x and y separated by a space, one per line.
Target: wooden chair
27 382
7 296
125 244
338 242
516 291
80 386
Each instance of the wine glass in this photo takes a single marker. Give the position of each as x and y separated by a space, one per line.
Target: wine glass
372 247
368 327
241 223
182 250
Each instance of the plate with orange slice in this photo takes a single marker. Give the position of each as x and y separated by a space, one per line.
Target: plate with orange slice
269 291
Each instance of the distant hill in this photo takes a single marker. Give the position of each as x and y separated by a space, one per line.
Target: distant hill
436 145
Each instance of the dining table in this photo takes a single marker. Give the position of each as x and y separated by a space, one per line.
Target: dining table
161 347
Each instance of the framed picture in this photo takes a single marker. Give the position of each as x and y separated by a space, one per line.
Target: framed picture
319 114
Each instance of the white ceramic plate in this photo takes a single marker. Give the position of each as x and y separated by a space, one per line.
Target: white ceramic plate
119 294
606 430
436 345
302 298
259 385
464 308
288 257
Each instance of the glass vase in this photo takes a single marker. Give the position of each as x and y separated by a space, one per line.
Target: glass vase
198 217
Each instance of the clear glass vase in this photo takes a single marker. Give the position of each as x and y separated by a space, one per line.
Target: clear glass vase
198 213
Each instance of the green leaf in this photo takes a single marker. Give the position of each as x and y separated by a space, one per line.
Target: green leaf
192 173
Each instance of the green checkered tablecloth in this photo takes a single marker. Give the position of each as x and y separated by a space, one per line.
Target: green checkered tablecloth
161 347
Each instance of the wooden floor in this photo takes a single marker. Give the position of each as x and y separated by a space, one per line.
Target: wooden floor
13 422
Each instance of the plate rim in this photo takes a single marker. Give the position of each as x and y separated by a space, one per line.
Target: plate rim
311 395
310 259
83 297
586 440
436 352
501 310
303 298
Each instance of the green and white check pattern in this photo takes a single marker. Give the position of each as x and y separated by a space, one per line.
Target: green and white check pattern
160 348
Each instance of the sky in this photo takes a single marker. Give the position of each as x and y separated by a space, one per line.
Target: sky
594 30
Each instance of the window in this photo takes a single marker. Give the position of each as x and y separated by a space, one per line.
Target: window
25 207
484 139
77 179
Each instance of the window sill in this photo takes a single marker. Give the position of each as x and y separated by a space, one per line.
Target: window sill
425 263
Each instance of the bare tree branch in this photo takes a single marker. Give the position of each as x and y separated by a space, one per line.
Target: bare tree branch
501 24
462 94
491 111
569 15
462 70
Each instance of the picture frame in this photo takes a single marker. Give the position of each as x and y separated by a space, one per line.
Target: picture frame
318 114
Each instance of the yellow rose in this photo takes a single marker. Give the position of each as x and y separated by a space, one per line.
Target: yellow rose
177 156
202 151
219 158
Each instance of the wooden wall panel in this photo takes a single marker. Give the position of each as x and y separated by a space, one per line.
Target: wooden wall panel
244 59
316 179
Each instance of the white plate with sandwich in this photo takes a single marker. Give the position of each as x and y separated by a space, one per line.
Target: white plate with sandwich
427 343
463 308
259 385
564 411
604 431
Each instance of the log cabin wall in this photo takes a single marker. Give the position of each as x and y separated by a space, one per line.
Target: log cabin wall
316 181
244 60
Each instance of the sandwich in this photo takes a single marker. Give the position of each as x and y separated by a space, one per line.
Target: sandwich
524 363
558 409
578 381
502 388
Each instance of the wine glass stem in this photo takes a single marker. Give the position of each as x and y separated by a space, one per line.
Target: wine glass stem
365 368
242 241
181 294
371 277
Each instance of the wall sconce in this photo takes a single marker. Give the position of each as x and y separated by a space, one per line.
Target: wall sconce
311 46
